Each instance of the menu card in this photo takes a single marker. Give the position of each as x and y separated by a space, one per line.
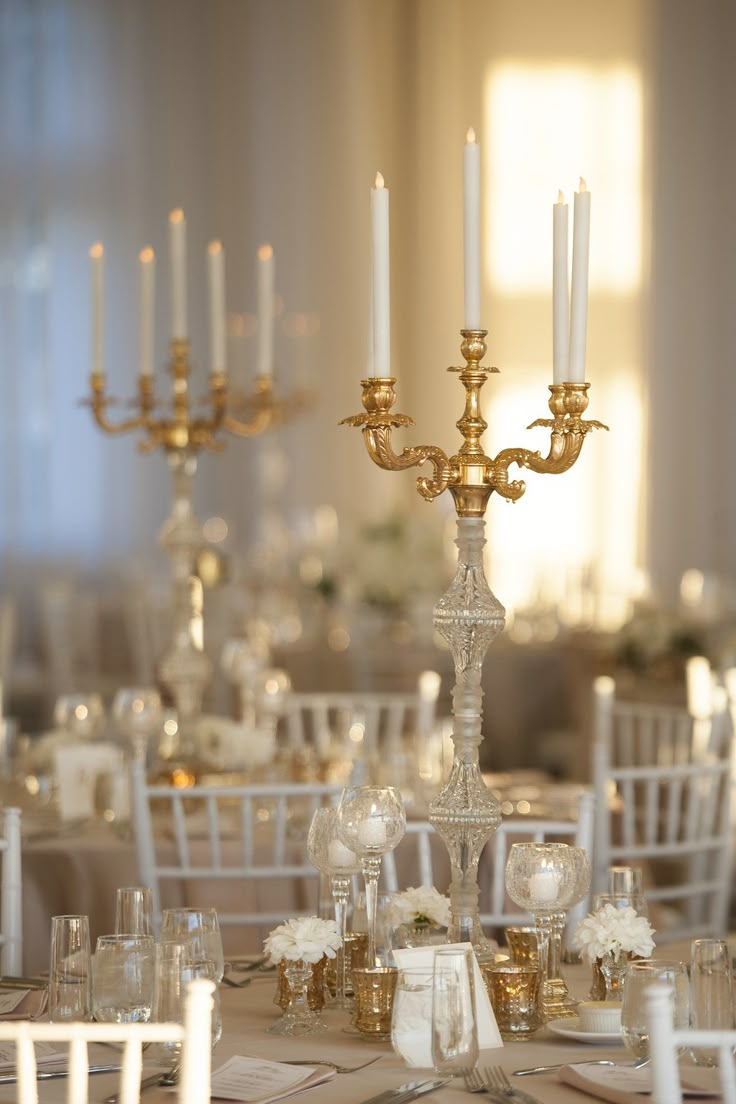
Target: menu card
254 1079
624 1084
46 1057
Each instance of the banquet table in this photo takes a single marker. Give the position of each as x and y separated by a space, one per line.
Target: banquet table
247 1013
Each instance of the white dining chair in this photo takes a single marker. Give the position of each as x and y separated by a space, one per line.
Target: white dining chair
195 1035
662 779
255 834
11 895
578 833
666 1042
415 855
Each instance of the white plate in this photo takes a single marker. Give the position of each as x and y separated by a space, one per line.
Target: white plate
570 1028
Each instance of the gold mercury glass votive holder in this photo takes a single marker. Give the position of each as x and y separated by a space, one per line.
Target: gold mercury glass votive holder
374 989
356 949
524 946
315 988
515 993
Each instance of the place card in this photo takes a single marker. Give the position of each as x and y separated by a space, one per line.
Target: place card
78 766
254 1079
46 1056
422 958
10 999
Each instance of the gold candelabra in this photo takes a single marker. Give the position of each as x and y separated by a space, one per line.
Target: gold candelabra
469 616
182 428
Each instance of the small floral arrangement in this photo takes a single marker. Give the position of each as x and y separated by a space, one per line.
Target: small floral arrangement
615 932
420 905
307 938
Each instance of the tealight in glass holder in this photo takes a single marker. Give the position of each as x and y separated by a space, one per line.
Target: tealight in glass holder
371 821
544 878
331 857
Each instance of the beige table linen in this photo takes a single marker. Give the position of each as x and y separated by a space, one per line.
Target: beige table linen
247 1013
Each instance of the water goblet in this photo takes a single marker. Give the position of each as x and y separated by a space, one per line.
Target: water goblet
333 858
454 1020
371 821
543 878
634 1017
122 979
133 911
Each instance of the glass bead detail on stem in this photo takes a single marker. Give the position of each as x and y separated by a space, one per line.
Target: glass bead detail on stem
371 821
542 878
331 857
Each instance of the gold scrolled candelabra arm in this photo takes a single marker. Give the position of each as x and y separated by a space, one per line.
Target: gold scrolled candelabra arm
100 402
567 403
378 422
261 410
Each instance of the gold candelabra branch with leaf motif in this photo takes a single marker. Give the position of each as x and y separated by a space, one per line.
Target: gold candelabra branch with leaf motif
470 475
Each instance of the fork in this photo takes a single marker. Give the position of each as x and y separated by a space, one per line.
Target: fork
325 1062
496 1084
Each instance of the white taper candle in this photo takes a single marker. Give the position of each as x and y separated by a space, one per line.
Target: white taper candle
97 281
146 301
560 292
471 230
381 280
178 249
266 285
216 280
579 293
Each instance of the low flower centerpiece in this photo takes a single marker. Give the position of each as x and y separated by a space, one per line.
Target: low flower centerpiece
300 948
610 937
418 914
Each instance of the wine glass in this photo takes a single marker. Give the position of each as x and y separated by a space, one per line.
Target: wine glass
199 929
543 878
371 821
332 857
81 715
138 713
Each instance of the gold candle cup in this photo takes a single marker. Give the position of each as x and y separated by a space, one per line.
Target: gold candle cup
515 993
374 989
524 946
315 988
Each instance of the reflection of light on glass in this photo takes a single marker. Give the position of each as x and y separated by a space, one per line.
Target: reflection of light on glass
544 126
338 639
692 586
523 807
215 530
81 712
171 727
357 732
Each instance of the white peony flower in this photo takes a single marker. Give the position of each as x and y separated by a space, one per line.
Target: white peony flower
614 931
306 937
420 905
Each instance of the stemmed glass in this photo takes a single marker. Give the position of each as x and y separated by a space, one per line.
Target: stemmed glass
371 821
556 996
82 715
543 878
138 713
332 857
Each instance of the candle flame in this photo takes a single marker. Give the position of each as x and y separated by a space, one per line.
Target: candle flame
146 255
470 136
96 251
583 187
560 196
176 215
214 248
380 183
265 252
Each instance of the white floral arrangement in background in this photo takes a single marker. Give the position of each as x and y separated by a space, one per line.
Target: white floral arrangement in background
614 931
306 937
420 905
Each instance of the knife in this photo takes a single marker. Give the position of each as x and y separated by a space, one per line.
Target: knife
23 983
410 1091
50 1075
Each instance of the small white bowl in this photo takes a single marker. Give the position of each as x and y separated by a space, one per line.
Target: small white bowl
600 1016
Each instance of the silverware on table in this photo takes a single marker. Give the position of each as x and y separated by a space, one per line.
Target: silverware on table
51 1075
493 1081
227 980
8 981
409 1091
593 1062
163 1077
328 1062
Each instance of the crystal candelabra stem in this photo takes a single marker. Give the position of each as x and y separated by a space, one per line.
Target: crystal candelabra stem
556 995
465 813
340 892
185 669
371 865
543 924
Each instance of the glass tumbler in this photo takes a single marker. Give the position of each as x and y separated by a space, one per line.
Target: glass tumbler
122 979
70 996
411 1019
454 1021
134 911
640 975
173 971
711 993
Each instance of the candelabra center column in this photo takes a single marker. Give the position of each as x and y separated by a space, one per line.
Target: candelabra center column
465 813
184 669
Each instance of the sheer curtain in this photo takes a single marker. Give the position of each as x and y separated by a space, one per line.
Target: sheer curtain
267 120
